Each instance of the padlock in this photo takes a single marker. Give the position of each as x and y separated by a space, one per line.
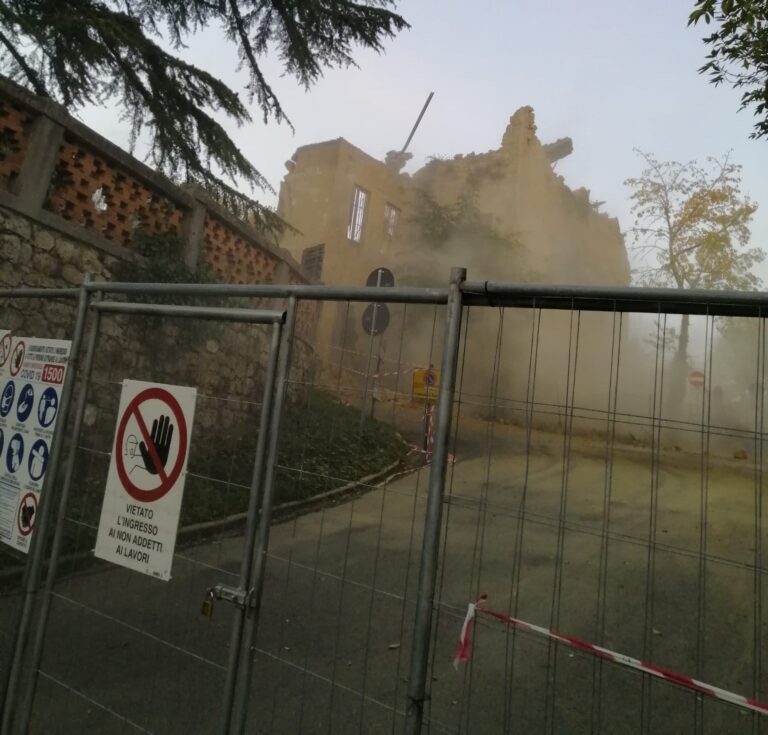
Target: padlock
207 608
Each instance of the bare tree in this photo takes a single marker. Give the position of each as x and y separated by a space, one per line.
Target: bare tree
692 229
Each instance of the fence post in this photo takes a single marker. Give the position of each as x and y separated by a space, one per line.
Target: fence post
432 523
258 568
249 541
39 539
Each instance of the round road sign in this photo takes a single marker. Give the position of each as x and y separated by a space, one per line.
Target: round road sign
155 447
696 378
382 319
381 277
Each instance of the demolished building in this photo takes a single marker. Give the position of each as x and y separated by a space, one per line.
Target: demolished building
504 214
354 213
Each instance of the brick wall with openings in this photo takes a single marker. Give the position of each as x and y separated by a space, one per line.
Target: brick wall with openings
234 259
14 139
91 192
71 202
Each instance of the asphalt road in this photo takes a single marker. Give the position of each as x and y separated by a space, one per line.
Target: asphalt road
126 652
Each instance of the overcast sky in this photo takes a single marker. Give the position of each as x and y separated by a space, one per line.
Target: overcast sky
611 74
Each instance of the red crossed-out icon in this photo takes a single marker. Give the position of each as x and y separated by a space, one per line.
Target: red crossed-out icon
138 409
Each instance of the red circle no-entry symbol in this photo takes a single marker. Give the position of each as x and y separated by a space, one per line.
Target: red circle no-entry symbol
18 358
166 478
5 349
696 378
25 518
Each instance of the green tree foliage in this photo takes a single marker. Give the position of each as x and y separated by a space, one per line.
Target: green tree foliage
738 51
460 220
161 261
691 228
126 52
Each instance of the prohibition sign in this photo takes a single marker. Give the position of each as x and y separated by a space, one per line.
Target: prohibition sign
26 527
5 349
167 479
18 358
696 378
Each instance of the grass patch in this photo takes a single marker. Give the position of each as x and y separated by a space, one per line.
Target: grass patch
321 448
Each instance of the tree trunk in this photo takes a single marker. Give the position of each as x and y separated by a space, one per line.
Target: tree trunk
682 341
675 393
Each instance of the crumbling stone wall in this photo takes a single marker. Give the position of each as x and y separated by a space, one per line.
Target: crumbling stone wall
548 232
529 226
525 224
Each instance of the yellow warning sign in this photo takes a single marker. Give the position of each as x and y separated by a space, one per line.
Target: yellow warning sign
426 384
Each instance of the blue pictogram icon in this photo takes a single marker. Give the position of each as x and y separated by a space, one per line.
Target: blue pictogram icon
6 399
26 401
38 459
15 453
48 407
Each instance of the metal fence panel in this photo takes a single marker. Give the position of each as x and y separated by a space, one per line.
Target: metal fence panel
125 652
605 496
335 628
585 479
46 315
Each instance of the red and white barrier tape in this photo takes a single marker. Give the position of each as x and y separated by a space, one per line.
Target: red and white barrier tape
463 654
348 351
418 450
388 374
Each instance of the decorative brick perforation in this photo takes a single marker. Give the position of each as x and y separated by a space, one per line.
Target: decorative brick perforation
14 139
307 312
90 191
306 318
234 259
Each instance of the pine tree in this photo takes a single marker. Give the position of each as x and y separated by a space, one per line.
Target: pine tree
105 51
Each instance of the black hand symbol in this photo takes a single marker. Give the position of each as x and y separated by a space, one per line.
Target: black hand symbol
161 436
27 513
17 361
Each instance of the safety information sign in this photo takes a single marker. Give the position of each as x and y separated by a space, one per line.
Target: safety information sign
145 483
32 373
426 384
